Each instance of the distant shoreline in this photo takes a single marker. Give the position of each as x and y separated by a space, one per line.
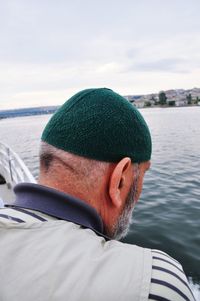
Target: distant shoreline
23 113
27 112
28 115
167 106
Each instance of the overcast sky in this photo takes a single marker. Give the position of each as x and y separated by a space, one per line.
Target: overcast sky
51 49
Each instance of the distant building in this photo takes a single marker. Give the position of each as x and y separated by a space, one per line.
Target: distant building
139 104
181 102
129 97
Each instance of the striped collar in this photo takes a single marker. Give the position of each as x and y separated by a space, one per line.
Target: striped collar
58 204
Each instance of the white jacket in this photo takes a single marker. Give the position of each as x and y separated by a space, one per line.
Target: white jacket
58 260
46 258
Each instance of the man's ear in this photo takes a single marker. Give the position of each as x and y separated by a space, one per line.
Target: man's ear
120 181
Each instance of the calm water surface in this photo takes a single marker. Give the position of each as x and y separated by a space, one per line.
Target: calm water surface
167 216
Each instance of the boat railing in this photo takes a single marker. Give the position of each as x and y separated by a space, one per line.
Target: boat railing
12 168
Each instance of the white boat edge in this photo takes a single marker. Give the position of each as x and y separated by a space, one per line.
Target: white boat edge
12 172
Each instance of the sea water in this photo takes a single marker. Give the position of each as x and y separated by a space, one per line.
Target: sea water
167 216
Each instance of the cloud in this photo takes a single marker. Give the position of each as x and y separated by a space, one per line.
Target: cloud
163 65
49 49
179 54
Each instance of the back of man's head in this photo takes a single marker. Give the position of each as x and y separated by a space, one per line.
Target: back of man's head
90 148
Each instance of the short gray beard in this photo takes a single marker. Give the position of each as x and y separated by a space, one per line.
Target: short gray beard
124 221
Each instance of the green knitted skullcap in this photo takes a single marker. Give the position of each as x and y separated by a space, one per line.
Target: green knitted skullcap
99 124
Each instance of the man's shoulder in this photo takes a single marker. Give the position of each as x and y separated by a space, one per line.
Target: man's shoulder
168 278
164 273
126 249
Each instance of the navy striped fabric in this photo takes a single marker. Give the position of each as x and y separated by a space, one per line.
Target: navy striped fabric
29 213
168 281
12 218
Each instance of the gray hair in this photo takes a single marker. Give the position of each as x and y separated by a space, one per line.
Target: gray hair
124 221
51 158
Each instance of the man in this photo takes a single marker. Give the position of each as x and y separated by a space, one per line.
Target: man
59 238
